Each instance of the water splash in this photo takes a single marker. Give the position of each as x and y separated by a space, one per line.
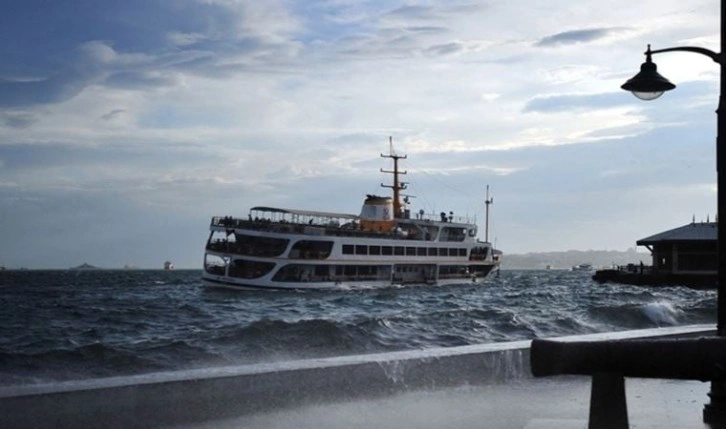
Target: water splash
394 370
662 313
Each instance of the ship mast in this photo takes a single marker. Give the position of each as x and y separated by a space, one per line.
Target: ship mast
397 186
487 202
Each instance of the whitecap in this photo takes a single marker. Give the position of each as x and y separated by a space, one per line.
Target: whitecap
662 312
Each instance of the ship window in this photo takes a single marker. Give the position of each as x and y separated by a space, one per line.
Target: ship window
387 250
350 270
398 250
410 251
443 251
478 253
347 249
433 251
453 270
311 249
249 269
462 252
421 251
258 246
453 234
302 273
374 250
361 250
338 270
214 264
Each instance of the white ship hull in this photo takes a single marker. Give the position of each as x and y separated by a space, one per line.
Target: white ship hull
223 282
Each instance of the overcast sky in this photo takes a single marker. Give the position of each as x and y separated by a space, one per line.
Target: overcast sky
125 125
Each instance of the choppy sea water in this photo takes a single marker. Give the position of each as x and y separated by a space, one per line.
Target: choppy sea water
62 325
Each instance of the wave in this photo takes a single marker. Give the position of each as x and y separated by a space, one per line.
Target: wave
94 324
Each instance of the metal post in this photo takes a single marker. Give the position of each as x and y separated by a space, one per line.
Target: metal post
721 181
608 407
715 411
486 217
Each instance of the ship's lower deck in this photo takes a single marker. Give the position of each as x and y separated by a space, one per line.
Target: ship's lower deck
290 275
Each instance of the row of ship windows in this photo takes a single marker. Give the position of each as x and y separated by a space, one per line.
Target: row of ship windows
350 249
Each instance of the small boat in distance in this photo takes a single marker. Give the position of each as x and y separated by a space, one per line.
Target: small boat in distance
582 267
276 248
168 266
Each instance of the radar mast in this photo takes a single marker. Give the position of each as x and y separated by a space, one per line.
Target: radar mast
397 185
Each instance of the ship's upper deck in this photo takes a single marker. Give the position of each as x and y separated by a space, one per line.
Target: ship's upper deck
448 228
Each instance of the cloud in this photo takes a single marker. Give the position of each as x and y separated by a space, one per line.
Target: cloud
187 109
53 89
141 79
577 102
185 39
559 103
17 119
83 68
432 13
132 44
453 48
116 113
33 159
413 12
576 36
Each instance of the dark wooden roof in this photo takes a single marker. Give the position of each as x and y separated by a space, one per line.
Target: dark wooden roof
704 231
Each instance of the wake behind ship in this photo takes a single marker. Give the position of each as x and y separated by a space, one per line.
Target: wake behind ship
275 248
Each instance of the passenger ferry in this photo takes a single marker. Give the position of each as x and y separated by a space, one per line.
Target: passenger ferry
276 248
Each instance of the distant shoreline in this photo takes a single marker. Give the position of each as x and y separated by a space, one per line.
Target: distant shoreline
563 260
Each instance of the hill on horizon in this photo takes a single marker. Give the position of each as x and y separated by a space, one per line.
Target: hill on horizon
570 258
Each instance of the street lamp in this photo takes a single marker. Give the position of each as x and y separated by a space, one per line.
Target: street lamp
648 84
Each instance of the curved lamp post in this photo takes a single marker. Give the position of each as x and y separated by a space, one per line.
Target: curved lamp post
648 84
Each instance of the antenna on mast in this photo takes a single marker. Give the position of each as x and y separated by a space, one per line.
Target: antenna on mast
487 202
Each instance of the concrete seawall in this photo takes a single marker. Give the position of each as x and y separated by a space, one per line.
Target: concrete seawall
159 399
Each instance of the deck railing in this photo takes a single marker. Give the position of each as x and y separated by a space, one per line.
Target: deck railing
308 229
634 269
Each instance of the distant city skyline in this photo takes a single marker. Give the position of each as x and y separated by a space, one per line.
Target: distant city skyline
126 125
